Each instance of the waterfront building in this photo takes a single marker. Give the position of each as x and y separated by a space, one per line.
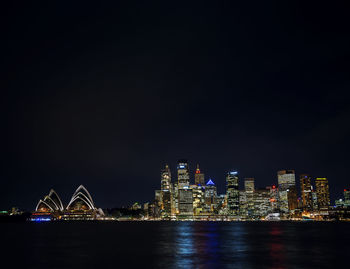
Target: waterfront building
81 206
221 202
185 201
306 192
262 205
199 177
198 198
322 191
249 193
166 193
273 198
183 176
51 203
232 193
210 195
292 199
165 177
48 208
185 193
286 180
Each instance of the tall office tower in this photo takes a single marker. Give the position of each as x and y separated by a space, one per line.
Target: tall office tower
210 195
273 198
232 193
165 178
347 197
198 177
198 198
166 204
292 198
262 206
322 191
185 202
185 194
249 190
286 180
306 192
183 176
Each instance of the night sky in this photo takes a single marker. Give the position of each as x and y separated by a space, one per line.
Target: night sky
105 94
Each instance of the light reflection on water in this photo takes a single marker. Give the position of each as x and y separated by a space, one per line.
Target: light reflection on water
177 245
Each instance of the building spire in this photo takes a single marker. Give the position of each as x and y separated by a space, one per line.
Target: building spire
198 171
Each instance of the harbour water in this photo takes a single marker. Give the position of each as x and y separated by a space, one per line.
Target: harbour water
176 244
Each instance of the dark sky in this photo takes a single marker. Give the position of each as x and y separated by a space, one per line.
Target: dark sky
105 94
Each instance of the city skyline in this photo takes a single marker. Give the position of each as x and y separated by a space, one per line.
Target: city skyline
220 183
180 198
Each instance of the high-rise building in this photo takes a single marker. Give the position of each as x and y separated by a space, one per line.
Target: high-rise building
249 195
198 198
232 193
210 195
165 178
286 180
185 193
183 176
322 191
292 198
347 197
166 193
262 206
306 192
198 177
273 198
185 201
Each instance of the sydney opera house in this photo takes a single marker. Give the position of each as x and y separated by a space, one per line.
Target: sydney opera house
80 207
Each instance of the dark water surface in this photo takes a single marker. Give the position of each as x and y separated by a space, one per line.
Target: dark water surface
176 245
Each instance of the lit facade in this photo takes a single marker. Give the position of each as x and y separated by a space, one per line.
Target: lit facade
322 191
306 192
249 188
199 177
286 180
210 195
232 193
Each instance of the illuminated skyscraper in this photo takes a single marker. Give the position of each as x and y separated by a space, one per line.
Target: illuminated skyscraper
286 180
183 176
273 198
166 193
306 192
185 193
249 193
232 192
185 201
198 177
210 195
322 191
292 198
198 198
165 178
262 206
